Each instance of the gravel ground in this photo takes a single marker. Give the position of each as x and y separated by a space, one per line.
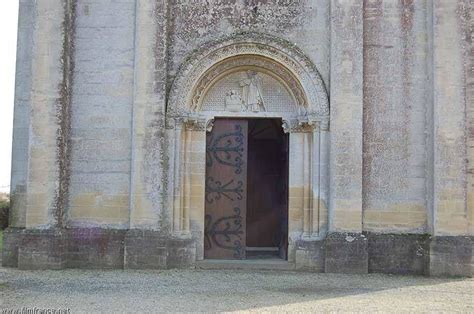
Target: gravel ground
220 290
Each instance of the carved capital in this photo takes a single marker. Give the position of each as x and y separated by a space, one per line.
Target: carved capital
300 125
324 124
209 124
173 123
196 122
192 122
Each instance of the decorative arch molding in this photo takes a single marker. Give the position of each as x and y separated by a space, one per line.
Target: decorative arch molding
276 55
247 62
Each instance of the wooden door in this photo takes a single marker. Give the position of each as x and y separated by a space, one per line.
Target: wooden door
226 190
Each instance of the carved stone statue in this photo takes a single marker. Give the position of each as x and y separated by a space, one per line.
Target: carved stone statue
251 94
233 102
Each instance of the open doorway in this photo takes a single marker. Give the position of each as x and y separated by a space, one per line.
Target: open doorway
246 197
267 189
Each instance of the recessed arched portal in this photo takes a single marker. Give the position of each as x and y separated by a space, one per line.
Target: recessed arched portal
249 76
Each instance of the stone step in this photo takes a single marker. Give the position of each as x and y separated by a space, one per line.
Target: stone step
249 264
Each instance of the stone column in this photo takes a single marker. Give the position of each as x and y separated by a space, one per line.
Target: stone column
295 194
346 248
21 120
43 167
198 186
177 164
21 117
149 106
451 246
150 243
324 138
43 243
306 247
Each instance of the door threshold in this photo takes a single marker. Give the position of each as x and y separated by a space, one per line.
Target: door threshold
246 264
262 248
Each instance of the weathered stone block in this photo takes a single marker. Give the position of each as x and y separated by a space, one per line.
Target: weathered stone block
95 248
181 253
398 253
145 249
11 241
42 249
346 253
451 256
310 255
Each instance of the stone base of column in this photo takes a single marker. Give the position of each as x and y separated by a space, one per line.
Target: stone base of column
42 249
147 249
310 255
405 254
11 241
412 254
346 253
95 248
451 256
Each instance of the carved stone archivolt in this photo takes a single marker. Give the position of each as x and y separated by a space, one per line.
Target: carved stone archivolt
252 53
255 68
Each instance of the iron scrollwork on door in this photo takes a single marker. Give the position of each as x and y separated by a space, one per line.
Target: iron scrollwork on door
215 190
225 232
227 149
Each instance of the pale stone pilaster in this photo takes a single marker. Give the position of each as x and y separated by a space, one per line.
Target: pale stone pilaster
47 73
323 215
307 188
186 194
450 211
148 154
295 192
197 173
469 68
176 163
307 182
315 175
21 118
346 116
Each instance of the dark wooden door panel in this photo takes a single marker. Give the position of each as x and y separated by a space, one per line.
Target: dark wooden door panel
226 190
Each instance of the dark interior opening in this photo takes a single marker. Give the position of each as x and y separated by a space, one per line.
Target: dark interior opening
267 189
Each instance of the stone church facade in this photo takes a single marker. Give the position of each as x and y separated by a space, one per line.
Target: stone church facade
326 136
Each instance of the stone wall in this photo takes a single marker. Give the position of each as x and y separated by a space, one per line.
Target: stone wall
91 148
305 23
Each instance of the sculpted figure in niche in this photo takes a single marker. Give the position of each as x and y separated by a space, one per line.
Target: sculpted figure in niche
252 97
233 102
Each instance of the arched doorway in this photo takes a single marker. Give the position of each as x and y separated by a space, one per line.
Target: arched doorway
248 78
